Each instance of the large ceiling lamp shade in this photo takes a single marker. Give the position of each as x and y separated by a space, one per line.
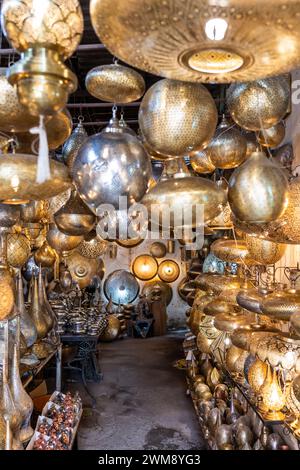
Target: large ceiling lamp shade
145 267
176 118
202 40
168 271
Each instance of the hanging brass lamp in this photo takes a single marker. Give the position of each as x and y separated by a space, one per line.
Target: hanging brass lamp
261 104
228 147
280 305
145 267
258 190
201 162
232 251
73 144
33 212
168 271
75 218
272 137
60 241
45 34
264 251
115 83
82 269
92 246
45 256
18 249
176 118
203 40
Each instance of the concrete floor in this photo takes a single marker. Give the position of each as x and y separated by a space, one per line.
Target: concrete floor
141 402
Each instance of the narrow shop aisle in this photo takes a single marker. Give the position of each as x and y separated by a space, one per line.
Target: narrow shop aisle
142 402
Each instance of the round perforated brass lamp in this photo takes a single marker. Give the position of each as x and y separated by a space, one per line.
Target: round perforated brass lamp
168 271
145 267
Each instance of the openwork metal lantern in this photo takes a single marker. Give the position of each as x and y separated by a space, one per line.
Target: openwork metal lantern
73 144
92 246
259 105
272 137
168 270
201 162
203 40
145 267
264 251
176 118
115 83
18 249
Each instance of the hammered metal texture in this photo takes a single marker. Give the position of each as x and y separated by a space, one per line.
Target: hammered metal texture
122 287
232 251
259 105
115 83
228 147
82 269
169 38
73 144
92 248
201 163
264 251
176 118
258 190
272 137
48 23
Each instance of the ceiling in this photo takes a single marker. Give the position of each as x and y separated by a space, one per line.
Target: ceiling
96 114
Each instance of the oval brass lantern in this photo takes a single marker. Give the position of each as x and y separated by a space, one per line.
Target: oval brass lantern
18 179
176 118
201 162
158 250
92 246
264 251
228 147
82 269
258 190
259 105
45 255
75 218
73 144
202 40
168 270
271 137
145 267
115 83
46 33
60 241
232 251
110 165
18 249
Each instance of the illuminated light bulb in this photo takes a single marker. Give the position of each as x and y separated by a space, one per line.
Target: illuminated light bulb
216 28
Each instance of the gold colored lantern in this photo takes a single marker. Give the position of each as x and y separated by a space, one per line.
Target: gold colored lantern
61 242
75 218
176 118
202 40
228 147
112 330
45 255
158 288
264 251
33 212
271 137
56 202
232 251
47 33
92 246
158 250
256 375
82 269
73 144
145 267
6 293
272 397
259 105
115 83
18 249
258 190
201 162
168 270
281 304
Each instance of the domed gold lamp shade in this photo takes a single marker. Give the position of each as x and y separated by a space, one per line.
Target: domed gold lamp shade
258 190
115 83
259 105
177 118
145 267
272 137
280 350
168 270
75 218
46 34
60 241
232 251
264 251
201 162
202 41
228 147
18 179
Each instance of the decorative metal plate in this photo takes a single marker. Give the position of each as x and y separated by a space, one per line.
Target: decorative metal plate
121 286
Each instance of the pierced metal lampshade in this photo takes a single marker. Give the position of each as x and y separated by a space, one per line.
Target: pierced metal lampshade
201 162
228 147
176 118
75 218
232 251
264 251
73 144
145 267
260 104
92 246
115 83
121 287
202 40
61 242
168 270
272 137
18 249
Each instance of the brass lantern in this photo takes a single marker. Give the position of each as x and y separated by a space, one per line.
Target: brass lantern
115 83
82 269
75 218
46 33
61 242
158 250
271 137
264 251
202 40
73 144
201 162
228 147
232 251
176 118
168 271
259 105
258 190
92 246
145 267
45 255
18 249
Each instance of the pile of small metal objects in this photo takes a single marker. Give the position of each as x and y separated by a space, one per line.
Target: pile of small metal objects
79 320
